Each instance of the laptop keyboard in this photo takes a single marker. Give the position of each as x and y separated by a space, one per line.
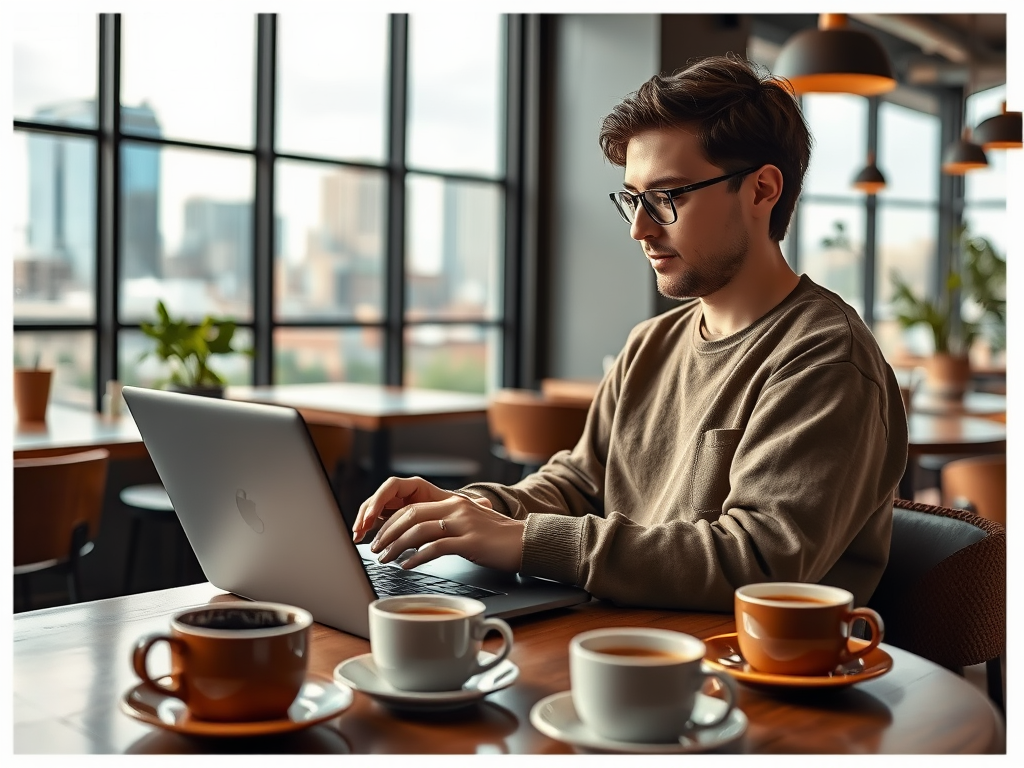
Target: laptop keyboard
389 581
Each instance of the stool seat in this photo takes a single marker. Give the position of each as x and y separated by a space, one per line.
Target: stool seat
148 497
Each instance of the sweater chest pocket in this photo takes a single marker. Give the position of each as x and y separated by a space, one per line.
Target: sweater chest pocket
710 480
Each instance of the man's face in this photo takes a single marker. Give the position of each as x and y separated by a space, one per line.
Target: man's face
706 246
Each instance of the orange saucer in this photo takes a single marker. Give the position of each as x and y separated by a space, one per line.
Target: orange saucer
723 653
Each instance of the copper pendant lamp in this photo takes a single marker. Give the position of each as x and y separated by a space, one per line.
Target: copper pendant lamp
1002 131
963 156
870 180
835 59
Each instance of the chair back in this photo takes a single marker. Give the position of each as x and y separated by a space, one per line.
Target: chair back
532 428
977 484
54 496
332 441
943 592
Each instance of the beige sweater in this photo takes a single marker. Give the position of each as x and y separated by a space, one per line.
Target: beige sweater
770 455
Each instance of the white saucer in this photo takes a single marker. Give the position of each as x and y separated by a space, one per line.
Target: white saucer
360 674
319 700
556 717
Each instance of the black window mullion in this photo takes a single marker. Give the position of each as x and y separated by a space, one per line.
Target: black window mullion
394 297
263 203
514 211
870 223
108 203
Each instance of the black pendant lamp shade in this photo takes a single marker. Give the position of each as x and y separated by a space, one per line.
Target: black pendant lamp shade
834 59
1002 131
963 156
870 180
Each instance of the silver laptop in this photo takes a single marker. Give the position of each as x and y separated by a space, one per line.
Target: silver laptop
257 507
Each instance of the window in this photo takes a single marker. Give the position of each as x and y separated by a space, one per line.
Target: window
381 175
831 239
850 242
909 149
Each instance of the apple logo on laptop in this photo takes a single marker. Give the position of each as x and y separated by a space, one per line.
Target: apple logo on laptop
247 509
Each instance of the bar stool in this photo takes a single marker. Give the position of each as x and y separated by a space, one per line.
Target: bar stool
150 503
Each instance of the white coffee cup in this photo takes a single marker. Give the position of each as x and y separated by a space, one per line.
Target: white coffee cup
640 684
431 642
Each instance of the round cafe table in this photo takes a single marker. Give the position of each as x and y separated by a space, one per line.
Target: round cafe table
948 435
972 404
71 667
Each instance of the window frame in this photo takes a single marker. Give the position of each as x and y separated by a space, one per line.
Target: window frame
108 136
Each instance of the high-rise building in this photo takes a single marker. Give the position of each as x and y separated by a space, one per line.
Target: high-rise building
62 200
141 245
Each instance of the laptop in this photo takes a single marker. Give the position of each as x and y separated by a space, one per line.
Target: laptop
258 509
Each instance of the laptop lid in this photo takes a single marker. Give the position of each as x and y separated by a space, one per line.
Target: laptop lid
258 509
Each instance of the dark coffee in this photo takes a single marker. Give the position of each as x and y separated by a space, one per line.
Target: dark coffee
429 610
797 599
640 653
234 618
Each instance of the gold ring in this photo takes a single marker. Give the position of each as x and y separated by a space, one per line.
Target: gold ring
441 523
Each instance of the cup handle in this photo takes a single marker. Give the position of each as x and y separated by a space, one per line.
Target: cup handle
480 631
874 621
139 654
728 688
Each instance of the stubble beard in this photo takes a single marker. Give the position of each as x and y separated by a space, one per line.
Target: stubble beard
707 274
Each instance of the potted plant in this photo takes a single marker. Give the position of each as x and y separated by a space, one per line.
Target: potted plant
188 349
979 289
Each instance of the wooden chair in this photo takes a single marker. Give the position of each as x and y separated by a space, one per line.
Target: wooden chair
58 503
977 484
943 592
528 428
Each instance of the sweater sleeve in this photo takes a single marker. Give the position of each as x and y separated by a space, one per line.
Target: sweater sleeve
811 481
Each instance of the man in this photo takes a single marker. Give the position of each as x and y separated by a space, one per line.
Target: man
753 434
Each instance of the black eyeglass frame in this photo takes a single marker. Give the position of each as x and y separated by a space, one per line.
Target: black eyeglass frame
672 195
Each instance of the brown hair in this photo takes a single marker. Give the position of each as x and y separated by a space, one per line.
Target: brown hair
743 117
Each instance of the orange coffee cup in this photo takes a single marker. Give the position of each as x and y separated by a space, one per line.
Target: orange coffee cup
789 628
232 661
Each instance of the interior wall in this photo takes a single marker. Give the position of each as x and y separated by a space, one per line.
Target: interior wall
600 285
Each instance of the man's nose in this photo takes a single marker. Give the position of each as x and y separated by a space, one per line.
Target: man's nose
643 225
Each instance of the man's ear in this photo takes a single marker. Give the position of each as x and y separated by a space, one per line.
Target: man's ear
767 183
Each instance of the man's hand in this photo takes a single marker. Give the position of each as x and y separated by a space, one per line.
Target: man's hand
438 522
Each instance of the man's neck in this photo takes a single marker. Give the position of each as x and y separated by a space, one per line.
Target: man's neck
763 282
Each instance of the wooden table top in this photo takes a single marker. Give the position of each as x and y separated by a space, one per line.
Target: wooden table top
972 404
71 666
952 434
68 428
366 406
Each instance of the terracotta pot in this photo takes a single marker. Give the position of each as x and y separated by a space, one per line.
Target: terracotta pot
31 393
947 375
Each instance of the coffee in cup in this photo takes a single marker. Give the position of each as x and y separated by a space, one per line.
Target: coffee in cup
232 661
790 628
431 642
640 684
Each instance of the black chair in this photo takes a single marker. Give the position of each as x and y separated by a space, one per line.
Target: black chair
943 592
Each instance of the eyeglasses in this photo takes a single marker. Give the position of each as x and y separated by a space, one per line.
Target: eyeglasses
659 203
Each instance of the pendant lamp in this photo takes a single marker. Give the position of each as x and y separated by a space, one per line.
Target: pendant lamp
835 59
1002 131
870 180
963 156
